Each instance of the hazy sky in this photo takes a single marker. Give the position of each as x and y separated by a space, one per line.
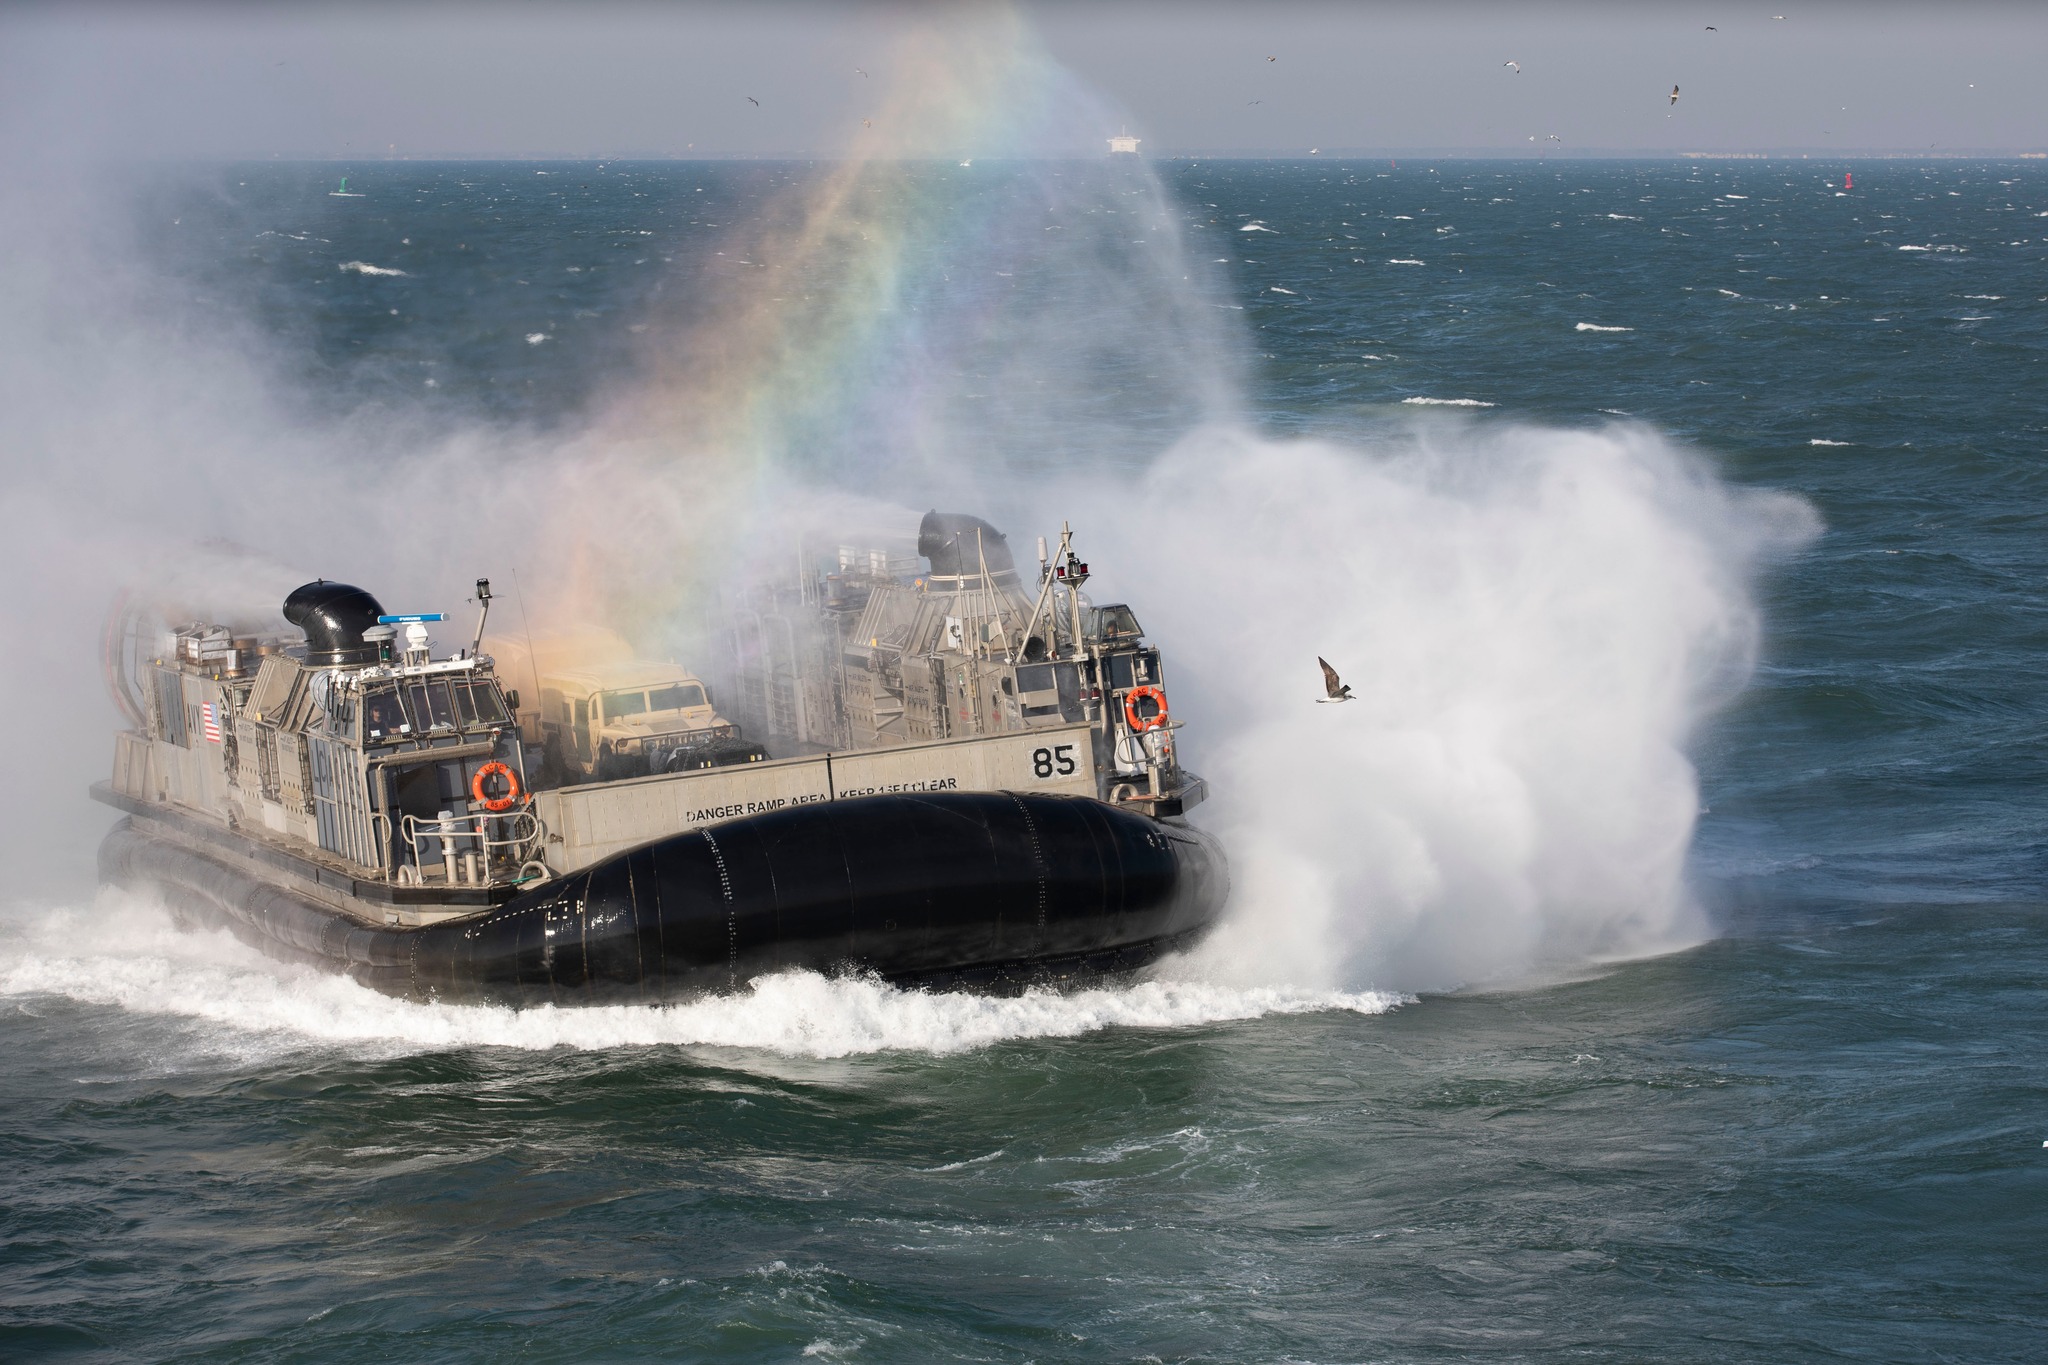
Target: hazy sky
612 79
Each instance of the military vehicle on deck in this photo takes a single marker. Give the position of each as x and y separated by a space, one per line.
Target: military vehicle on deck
606 714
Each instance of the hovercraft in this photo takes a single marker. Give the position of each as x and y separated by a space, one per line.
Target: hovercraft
944 778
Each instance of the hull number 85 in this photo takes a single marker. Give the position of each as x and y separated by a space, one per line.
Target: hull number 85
1056 761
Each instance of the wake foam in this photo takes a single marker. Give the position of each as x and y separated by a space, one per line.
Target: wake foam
258 1008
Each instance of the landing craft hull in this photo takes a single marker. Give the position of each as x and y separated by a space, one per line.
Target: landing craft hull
982 890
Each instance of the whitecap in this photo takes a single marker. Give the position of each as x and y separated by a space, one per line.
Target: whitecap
1449 402
1596 327
1255 227
1625 217
1822 441
1729 292
536 338
365 268
1276 289
1403 260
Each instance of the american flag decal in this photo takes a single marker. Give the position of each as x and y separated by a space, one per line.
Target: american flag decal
209 718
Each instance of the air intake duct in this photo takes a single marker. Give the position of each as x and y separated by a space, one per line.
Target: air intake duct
959 545
334 617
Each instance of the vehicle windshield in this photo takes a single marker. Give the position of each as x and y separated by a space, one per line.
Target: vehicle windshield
676 697
616 705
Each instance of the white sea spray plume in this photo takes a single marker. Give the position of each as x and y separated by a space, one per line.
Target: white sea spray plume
1534 623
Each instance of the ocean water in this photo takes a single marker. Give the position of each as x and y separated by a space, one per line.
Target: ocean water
1819 1132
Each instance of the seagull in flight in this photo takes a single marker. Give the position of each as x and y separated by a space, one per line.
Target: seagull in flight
1674 94
1337 688
1712 29
751 100
858 72
1516 65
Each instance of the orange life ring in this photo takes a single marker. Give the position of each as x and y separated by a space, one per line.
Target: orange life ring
497 804
1141 723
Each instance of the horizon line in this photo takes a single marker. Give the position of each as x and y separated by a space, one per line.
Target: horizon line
1336 154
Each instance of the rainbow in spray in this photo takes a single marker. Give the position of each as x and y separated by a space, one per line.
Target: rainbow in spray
973 290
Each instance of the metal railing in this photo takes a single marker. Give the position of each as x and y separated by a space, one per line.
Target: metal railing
473 850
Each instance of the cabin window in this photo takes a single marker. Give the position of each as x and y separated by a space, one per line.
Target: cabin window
441 705
1112 624
675 698
621 704
382 715
431 706
1035 678
480 704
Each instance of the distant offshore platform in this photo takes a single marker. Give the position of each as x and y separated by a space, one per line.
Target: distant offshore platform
1123 144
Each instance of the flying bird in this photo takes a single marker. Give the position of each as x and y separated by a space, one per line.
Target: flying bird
1337 688
1516 65
1712 29
1674 94
867 123
858 72
1272 59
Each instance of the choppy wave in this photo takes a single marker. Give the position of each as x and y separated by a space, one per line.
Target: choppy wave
1596 327
1823 441
1404 260
139 963
365 268
1449 402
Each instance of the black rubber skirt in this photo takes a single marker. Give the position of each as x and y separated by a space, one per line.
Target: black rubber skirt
978 890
